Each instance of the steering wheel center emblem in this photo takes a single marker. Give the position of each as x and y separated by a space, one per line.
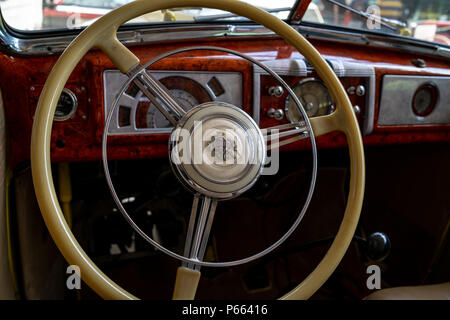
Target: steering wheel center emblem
221 149
217 150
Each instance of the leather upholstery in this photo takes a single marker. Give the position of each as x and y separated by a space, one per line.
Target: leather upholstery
429 292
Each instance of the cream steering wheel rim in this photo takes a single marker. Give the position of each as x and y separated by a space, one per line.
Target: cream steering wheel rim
102 34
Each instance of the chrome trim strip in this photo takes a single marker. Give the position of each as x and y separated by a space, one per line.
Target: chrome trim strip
345 68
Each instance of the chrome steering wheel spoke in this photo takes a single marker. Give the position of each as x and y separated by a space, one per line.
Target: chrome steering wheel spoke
199 229
274 136
157 93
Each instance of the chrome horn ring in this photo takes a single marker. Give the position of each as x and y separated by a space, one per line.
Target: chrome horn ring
194 261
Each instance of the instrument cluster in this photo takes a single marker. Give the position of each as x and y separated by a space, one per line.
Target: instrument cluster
278 107
274 106
136 114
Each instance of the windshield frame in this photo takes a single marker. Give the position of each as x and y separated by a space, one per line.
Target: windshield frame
369 35
31 42
132 25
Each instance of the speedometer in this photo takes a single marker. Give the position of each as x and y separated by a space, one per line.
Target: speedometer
155 119
314 97
187 92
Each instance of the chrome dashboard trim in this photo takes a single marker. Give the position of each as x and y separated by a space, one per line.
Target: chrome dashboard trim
344 68
396 101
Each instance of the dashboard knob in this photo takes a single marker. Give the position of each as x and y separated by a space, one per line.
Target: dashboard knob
351 90
360 90
277 114
378 246
276 91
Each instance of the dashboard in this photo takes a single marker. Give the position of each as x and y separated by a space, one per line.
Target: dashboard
395 100
135 114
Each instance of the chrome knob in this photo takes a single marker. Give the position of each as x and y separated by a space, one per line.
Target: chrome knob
378 246
360 90
277 114
351 90
357 109
276 91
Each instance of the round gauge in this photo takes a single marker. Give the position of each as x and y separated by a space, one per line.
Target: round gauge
425 99
314 97
187 92
156 119
67 105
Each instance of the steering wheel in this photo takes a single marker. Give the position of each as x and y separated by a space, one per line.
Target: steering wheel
102 35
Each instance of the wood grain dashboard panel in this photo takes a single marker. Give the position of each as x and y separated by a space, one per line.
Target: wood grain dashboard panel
79 139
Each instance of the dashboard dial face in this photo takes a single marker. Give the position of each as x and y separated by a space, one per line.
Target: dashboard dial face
187 92
314 97
155 119
67 105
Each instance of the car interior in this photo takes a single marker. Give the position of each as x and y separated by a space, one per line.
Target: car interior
225 150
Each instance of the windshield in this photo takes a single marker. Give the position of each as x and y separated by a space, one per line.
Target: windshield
422 19
34 15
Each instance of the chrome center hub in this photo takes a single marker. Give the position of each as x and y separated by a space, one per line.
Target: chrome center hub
217 150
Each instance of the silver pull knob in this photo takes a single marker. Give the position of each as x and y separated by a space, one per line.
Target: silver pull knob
360 90
277 114
351 90
276 91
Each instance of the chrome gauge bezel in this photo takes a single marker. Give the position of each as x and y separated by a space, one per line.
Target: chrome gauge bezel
73 111
299 83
